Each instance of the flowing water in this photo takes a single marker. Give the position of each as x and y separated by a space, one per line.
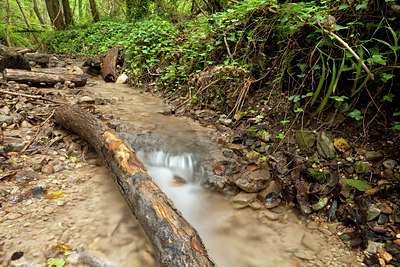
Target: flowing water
174 151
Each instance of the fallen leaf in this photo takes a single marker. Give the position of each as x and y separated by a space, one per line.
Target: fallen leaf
54 195
219 169
341 144
55 262
360 185
63 249
7 175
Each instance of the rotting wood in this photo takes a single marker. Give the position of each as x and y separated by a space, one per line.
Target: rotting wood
42 79
108 71
175 241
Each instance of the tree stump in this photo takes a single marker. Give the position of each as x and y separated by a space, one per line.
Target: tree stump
175 241
10 59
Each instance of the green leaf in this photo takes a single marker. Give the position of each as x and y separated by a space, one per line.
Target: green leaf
319 176
356 114
298 110
320 204
389 97
55 262
360 185
377 58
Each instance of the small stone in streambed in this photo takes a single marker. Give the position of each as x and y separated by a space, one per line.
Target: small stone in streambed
268 214
385 208
372 247
373 212
243 200
389 164
310 242
228 153
325 146
5 119
272 200
47 169
373 155
312 225
86 100
304 254
13 216
254 181
383 219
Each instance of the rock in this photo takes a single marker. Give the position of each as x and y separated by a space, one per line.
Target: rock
305 139
25 124
256 205
48 209
373 155
6 119
386 256
268 214
75 70
86 100
312 225
325 146
361 167
47 169
304 254
270 195
385 208
243 200
383 219
5 110
373 212
123 78
13 216
309 241
325 231
254 181
389 164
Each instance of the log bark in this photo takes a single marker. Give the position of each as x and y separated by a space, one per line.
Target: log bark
42 78
175 241
108 71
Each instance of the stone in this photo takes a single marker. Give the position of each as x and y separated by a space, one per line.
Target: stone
312 225
373 212
268 214
386 256
373 155
13 216
383 219
86 100
304 254
305 139
47 169
361 167
6 119
243 200
25 124
325 146
256 205
389 164
325 231
385 208
254 181
309 241
123 78
48 209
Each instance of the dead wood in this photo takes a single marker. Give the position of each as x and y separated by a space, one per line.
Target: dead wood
11 59
175 241
41 78
108 71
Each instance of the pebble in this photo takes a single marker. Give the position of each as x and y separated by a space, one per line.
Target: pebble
372 247
373 212
243 200
312 225
373 155
6 119
325 231
60 203
304 254
386 256
257 205
385 208
389 164
268 214
47 169
13 216
310 242
48 209
2 213
86 100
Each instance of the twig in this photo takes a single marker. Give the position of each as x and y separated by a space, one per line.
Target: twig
30 96
36 134
228 49
370 74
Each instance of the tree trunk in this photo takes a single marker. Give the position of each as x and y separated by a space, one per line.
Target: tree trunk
37 12
175 241
67 13
94 10
108 71
7 22
42 78
56 14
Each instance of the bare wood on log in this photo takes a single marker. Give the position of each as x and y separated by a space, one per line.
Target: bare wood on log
39 78
175 241
108 71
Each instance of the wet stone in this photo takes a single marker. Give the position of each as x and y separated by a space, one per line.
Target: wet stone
373 212
268 214
383 219
312 225
13 216
389 164
373 155
5 119
304 254
254 181
47 169
309 241
243 200
325 231
325 146
305 139
86 100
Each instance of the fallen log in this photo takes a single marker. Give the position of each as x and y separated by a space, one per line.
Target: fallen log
175 241
109 64
38 78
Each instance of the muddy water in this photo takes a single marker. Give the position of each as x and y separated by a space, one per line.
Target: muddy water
233 238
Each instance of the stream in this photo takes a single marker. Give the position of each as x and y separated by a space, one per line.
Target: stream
175 151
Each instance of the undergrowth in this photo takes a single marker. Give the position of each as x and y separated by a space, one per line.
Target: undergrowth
320 55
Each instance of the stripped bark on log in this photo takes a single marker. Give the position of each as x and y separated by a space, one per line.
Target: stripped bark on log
41 78
108 71
175 241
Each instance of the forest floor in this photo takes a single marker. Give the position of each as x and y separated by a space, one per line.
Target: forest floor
54 191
